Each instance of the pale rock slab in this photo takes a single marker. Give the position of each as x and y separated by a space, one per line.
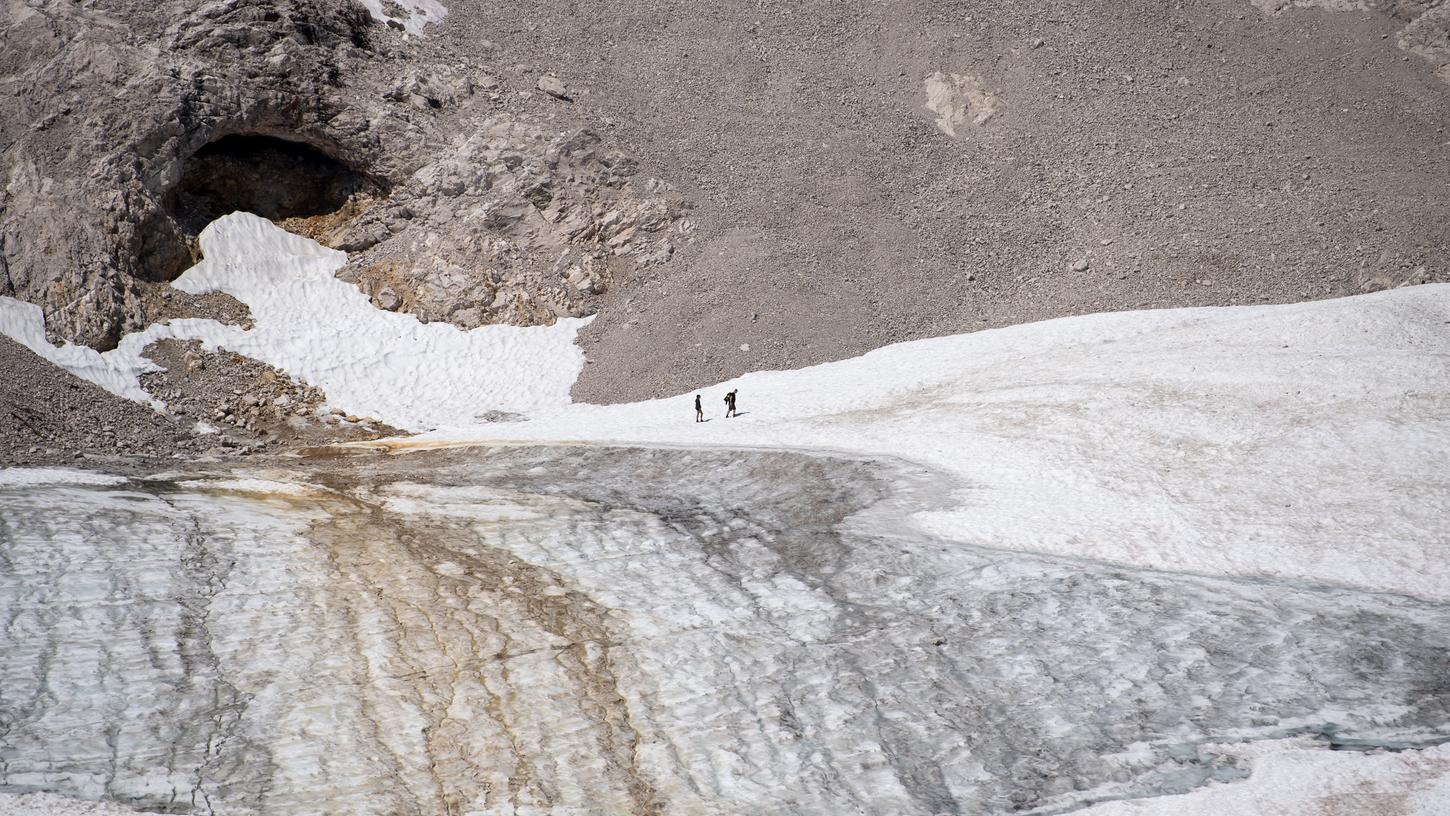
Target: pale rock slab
959 100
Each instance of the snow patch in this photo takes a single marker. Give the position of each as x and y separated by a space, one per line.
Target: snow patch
412 15
326 333
368 361
1297 776
117 371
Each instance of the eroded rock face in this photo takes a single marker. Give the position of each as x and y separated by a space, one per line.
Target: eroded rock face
515 224
137 123
1427 33
274 178
119 98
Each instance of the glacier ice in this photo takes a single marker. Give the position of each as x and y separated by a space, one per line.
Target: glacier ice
594 630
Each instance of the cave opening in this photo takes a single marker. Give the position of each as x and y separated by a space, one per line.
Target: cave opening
278 179
267 176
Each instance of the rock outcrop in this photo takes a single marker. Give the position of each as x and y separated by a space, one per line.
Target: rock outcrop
1426 32
133 124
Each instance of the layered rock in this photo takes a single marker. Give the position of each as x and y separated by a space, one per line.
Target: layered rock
134 124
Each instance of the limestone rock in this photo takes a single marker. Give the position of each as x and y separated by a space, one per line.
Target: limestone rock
553 86
388 299
150 119
959 100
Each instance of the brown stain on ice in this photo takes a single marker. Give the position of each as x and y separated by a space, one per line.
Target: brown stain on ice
344 450
458 613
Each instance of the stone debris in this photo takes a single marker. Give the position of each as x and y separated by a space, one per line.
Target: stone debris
48 415
553 86
268 410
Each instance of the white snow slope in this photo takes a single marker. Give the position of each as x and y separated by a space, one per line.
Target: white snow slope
1302 443
1306 442
325 332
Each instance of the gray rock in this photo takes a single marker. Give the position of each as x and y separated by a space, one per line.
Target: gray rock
305 111
553 86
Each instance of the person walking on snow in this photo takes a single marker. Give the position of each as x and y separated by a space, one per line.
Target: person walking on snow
730 404
699 412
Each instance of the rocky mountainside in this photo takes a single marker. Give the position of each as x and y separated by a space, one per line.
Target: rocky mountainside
868 173
731 188
129 125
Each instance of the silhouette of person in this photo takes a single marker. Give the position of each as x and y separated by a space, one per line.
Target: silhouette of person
699 411
730 404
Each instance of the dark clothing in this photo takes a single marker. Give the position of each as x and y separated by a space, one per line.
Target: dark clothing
730 404
699 411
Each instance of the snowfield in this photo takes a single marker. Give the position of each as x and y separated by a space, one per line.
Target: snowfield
1298 447
325 332
1306 442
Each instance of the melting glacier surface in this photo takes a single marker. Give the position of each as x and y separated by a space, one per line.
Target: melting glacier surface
632 630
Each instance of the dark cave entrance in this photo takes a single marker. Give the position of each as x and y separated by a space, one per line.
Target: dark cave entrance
271 177
278 179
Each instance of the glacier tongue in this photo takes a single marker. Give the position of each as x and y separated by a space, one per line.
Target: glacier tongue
585 630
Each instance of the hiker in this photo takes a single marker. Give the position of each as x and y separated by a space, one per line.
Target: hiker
699 412
730 404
